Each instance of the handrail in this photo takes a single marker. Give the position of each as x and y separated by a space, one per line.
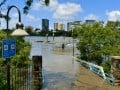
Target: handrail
97 70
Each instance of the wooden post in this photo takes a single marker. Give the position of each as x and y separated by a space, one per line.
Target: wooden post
37 72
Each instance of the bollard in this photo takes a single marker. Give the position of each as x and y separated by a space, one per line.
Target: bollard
37 72
63 46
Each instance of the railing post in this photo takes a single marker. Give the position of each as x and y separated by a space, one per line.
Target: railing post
103 73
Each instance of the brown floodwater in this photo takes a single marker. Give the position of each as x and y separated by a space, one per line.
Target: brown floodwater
59 68
61 71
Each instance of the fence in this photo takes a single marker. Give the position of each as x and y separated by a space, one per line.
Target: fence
20 78
3 78
97 70
24 77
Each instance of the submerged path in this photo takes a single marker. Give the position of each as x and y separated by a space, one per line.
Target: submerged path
62 72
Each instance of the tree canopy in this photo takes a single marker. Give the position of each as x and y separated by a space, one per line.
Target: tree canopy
96 42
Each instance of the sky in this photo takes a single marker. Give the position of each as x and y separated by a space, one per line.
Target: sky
63 11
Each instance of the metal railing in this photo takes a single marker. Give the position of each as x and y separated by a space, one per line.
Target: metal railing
20 78
97 70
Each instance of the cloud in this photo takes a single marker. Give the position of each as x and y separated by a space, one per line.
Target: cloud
91 17
113 15
66 10
60 10
30 17
36 6
12 23
31 20
15 15
53 4
2 24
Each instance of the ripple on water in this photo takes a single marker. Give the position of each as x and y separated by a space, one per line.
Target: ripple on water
58 81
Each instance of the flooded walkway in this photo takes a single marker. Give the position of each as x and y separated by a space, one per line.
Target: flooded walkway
58 68
62 72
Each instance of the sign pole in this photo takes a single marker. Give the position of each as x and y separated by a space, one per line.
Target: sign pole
8 73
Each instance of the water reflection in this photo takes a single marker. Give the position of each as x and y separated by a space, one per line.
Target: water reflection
58 81
58 66
61 51
60 70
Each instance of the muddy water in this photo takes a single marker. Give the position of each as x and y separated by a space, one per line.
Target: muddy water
59 68
61 71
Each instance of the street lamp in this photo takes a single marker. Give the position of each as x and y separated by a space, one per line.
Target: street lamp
17 32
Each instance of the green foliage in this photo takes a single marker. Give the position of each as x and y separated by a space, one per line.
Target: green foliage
22 52
75 32
43 33
57 33
3 84
106 67
29 30
96 42
20 59
2 36
28 4
113 25
61 33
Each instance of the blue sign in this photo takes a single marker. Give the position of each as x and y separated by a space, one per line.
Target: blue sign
8 48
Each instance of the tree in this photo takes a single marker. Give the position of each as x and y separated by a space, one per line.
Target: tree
29 29
97 43
2 36
113 25
28 4
20 59
2 2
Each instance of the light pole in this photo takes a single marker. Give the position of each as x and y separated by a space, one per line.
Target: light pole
47 37
17 32
53 35
73 42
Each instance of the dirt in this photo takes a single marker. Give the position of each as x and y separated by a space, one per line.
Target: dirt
87 80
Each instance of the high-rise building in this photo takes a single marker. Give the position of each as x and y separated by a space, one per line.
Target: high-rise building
71 25
45 24
59 26
90 22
